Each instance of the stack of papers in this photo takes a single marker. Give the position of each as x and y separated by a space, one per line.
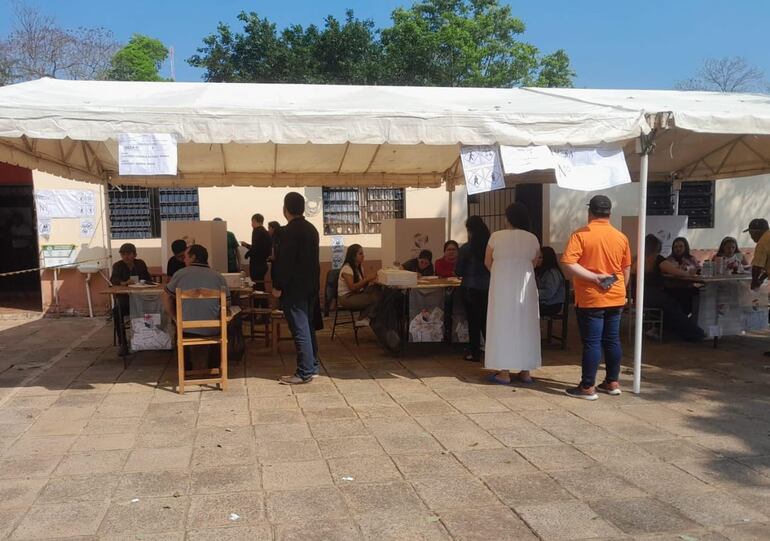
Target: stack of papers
397 277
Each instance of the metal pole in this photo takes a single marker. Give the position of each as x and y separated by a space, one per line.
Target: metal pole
449 215
641 233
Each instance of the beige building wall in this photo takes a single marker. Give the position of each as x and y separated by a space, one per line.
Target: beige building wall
736 201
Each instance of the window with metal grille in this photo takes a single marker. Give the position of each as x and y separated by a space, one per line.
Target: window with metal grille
660 199
491 207
352 211
136 213
696 201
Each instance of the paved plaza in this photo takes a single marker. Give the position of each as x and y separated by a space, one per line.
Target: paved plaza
419 447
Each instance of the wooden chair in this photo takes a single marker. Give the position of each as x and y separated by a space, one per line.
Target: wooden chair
264 312
215 375
563 317
276 319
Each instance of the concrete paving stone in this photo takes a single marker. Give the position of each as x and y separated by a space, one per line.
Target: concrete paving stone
383 426
166 438
730 445
413 525
411 444
277 416
617 453
527 489
484 404
77 488
12 430
255 532
754 498
165 458
226 455
394 495
354 446
68 413
429 407
22 468
595 484
760 464
331 413
9 518
154 484
15 493
715 509
165 536
104 442
747 532
294 475
234 435
318 401
377 411
32 446
54 427
224 419
104 425
523 436
492 523
432 465
225 479
678 450
340 428
61 520
365 469
495 462
556 457
282 432
725 473
274 403
287 451
147 516
454 493
317 505
212 510
642 516
521 402
334 530
565 520
458 433
658 478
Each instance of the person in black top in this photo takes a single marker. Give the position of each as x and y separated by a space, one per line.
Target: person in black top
470 267
176 261
259 250
296 282
422 264
122 272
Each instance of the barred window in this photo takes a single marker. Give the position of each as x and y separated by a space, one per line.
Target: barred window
136 213
352 211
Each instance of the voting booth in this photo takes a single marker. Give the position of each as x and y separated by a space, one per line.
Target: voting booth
403 239
211 235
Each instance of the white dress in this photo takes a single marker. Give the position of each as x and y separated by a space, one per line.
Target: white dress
513 317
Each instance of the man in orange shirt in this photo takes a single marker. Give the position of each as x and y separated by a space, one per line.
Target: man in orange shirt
598 259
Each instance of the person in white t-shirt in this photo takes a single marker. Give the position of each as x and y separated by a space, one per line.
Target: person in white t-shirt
354 288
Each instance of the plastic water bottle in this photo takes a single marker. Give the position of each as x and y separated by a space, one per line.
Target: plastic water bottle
708 269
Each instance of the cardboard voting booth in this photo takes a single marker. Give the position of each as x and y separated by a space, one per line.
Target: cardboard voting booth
403 239
211 235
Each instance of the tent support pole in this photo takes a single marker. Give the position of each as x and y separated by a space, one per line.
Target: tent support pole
449 215
639 303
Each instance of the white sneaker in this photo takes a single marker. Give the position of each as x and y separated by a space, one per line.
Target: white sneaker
362 322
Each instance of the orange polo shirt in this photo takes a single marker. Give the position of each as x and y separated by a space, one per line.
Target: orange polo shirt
602 249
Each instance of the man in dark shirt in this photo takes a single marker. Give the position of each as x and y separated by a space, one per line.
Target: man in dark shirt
259 250
422 264
176 261
123 272
296 275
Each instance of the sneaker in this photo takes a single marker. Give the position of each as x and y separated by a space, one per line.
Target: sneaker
362 322
610 387
293 380
582 392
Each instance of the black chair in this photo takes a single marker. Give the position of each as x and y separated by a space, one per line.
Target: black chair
330 294
563 316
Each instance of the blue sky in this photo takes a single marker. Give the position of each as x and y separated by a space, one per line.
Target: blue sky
612 44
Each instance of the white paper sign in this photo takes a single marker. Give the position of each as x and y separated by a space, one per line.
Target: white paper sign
338 252
64 203
44 227
591 169
87 227
482 168
147 154
517 160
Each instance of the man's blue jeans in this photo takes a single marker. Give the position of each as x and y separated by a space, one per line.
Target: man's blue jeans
600 332
299 316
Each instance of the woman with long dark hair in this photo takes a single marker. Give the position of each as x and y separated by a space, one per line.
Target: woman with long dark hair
513 322
681 257
735 261
354 291
470 267
550 282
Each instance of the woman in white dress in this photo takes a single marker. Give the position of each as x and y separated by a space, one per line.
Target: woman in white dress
513 319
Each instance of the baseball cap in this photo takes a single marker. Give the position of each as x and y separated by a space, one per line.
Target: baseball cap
757 224
600 204
127 248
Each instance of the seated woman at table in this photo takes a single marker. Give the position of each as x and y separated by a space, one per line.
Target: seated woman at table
354 290
129 266
445 266
550 282
735 261
422 264
675 320
682 258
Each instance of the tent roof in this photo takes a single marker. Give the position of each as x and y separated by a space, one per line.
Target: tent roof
303 135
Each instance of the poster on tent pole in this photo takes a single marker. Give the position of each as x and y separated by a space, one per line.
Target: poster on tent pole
482 168
147 154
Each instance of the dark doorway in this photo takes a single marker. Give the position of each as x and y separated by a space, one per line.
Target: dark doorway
491 206
531 195
18 241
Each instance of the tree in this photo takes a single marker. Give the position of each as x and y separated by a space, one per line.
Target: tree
727 74
435 42
38 47
139 60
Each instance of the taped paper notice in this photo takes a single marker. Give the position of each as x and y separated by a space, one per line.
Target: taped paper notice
518 160
482 168
64 203
147 154
87 228
44 227
591 169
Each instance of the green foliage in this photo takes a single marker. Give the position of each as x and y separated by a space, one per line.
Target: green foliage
434 43
139 60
